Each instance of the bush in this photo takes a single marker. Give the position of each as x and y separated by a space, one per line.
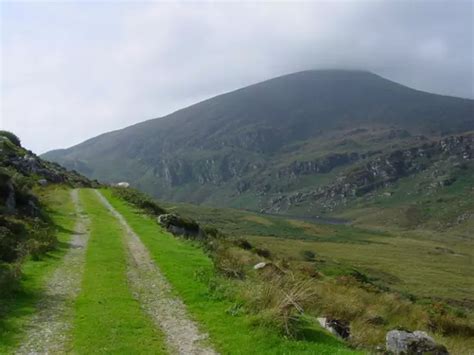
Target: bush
228 264
12 236
9 277
243 243
264 253
11 137
139 200
281 302
308 255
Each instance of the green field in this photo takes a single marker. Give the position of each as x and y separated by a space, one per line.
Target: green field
422 262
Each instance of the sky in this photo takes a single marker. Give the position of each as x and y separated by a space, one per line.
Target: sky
71 70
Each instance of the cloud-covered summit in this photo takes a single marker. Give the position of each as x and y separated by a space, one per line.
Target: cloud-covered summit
74 70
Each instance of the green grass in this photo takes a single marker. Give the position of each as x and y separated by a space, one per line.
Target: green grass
182 262
17 308
108 319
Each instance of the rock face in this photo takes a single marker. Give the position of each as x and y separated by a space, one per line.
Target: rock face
178 225
400 342
382 171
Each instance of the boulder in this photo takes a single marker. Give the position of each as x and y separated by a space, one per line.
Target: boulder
178 225
259 266
336 327
400 342
43 182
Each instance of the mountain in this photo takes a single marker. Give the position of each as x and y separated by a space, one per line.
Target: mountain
287 135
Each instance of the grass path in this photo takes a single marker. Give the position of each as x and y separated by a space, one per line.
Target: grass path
232 333
108 318
154 293
49 330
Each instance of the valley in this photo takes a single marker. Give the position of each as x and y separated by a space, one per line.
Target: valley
259 221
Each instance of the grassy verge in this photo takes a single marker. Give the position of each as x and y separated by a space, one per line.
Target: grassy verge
108 319
17 307
231 332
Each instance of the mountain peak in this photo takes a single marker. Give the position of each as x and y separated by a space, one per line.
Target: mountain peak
241 135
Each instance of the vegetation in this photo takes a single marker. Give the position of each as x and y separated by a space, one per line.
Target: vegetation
286 296
26 228
11 137
191 272
24 291
139 199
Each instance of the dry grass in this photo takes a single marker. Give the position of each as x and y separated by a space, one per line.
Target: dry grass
258 219
280 301
285 297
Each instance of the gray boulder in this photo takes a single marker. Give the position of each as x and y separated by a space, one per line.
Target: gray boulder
336 327
413 343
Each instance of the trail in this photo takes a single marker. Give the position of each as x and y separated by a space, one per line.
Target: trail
48 331
154 293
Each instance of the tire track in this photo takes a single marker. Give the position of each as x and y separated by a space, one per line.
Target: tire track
49 330
154 293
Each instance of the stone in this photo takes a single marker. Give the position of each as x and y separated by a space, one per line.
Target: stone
259 266
335 326
401 342
43 182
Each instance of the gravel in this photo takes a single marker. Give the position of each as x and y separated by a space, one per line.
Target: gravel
49 330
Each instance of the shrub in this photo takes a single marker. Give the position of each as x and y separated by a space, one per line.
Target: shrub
11 137
12 235
243 243
139 200
228 264
308 255
281 303
9 277
264 253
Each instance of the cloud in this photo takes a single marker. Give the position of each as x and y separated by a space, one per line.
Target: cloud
73 70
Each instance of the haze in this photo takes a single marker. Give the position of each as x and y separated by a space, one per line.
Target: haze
72 70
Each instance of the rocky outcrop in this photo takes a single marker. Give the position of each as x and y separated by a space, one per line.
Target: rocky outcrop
382 171
29 164
399 342
215 171
320 166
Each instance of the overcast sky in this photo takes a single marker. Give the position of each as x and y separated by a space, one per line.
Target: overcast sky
72 70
